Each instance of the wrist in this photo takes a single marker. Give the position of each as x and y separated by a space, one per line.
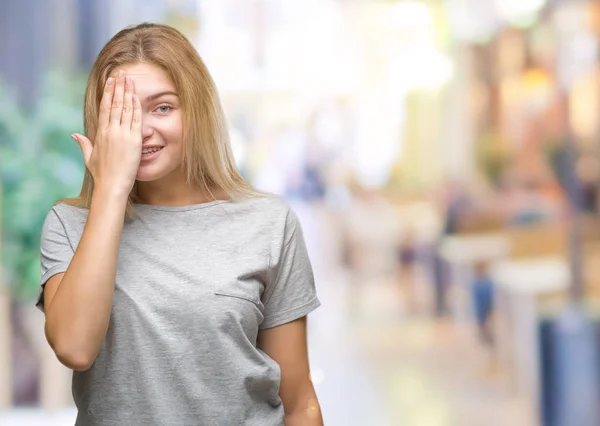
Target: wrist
111 194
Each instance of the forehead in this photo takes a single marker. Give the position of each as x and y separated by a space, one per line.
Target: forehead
147 77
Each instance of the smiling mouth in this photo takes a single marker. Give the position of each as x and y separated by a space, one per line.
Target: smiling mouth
151 150
149 154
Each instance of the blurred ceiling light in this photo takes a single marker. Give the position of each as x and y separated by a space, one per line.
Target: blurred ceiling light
421 68
471 20
519 12
411 15
377 144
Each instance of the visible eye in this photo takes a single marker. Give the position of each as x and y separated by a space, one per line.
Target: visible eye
164 109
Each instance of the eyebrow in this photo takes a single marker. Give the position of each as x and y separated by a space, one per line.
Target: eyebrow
160 94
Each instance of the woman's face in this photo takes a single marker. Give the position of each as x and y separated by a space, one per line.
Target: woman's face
162 125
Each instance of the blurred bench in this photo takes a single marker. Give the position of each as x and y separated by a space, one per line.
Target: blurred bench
480 222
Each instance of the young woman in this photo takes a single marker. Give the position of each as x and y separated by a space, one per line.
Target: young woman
176 293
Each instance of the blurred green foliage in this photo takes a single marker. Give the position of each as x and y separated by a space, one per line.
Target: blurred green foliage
39 164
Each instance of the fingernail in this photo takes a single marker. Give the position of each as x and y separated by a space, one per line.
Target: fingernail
74 138
121 74
110 81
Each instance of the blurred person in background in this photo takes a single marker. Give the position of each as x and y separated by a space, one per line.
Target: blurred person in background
407 253
454 203
176 292
482 293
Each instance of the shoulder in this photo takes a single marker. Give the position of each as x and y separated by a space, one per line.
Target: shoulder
65 216
68 211
272 214
268 202
268 207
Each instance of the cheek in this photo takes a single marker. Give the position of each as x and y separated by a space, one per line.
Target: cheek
174 139
174 131
170 132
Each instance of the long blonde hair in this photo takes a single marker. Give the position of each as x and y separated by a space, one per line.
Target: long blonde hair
208 158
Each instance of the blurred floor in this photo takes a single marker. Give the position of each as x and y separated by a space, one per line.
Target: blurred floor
378 370
382 360
377 363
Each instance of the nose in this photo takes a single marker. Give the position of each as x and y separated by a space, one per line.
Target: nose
147 130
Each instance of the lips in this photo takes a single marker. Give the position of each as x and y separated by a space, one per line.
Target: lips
149 153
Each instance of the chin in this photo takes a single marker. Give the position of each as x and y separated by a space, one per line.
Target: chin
145 178
150 174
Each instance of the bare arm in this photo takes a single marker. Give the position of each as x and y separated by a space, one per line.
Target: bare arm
286 344
78 303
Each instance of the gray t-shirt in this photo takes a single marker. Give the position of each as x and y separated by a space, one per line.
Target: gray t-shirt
194 286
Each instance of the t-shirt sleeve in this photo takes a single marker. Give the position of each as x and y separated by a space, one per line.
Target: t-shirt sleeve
291 292
55 252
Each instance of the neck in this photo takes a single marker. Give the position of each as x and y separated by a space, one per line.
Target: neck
163 192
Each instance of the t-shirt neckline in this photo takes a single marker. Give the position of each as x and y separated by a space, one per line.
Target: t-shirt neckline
180 208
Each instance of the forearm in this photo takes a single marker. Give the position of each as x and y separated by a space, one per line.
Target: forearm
79 314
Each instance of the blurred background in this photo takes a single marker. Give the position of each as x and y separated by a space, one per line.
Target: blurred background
442 155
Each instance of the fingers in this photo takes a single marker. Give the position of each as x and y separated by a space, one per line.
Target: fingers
117 101
127 104
106 103
136 122
85 145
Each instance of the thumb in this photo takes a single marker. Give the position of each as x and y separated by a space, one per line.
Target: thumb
85 145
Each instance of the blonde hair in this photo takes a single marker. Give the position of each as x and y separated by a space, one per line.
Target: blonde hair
208 159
